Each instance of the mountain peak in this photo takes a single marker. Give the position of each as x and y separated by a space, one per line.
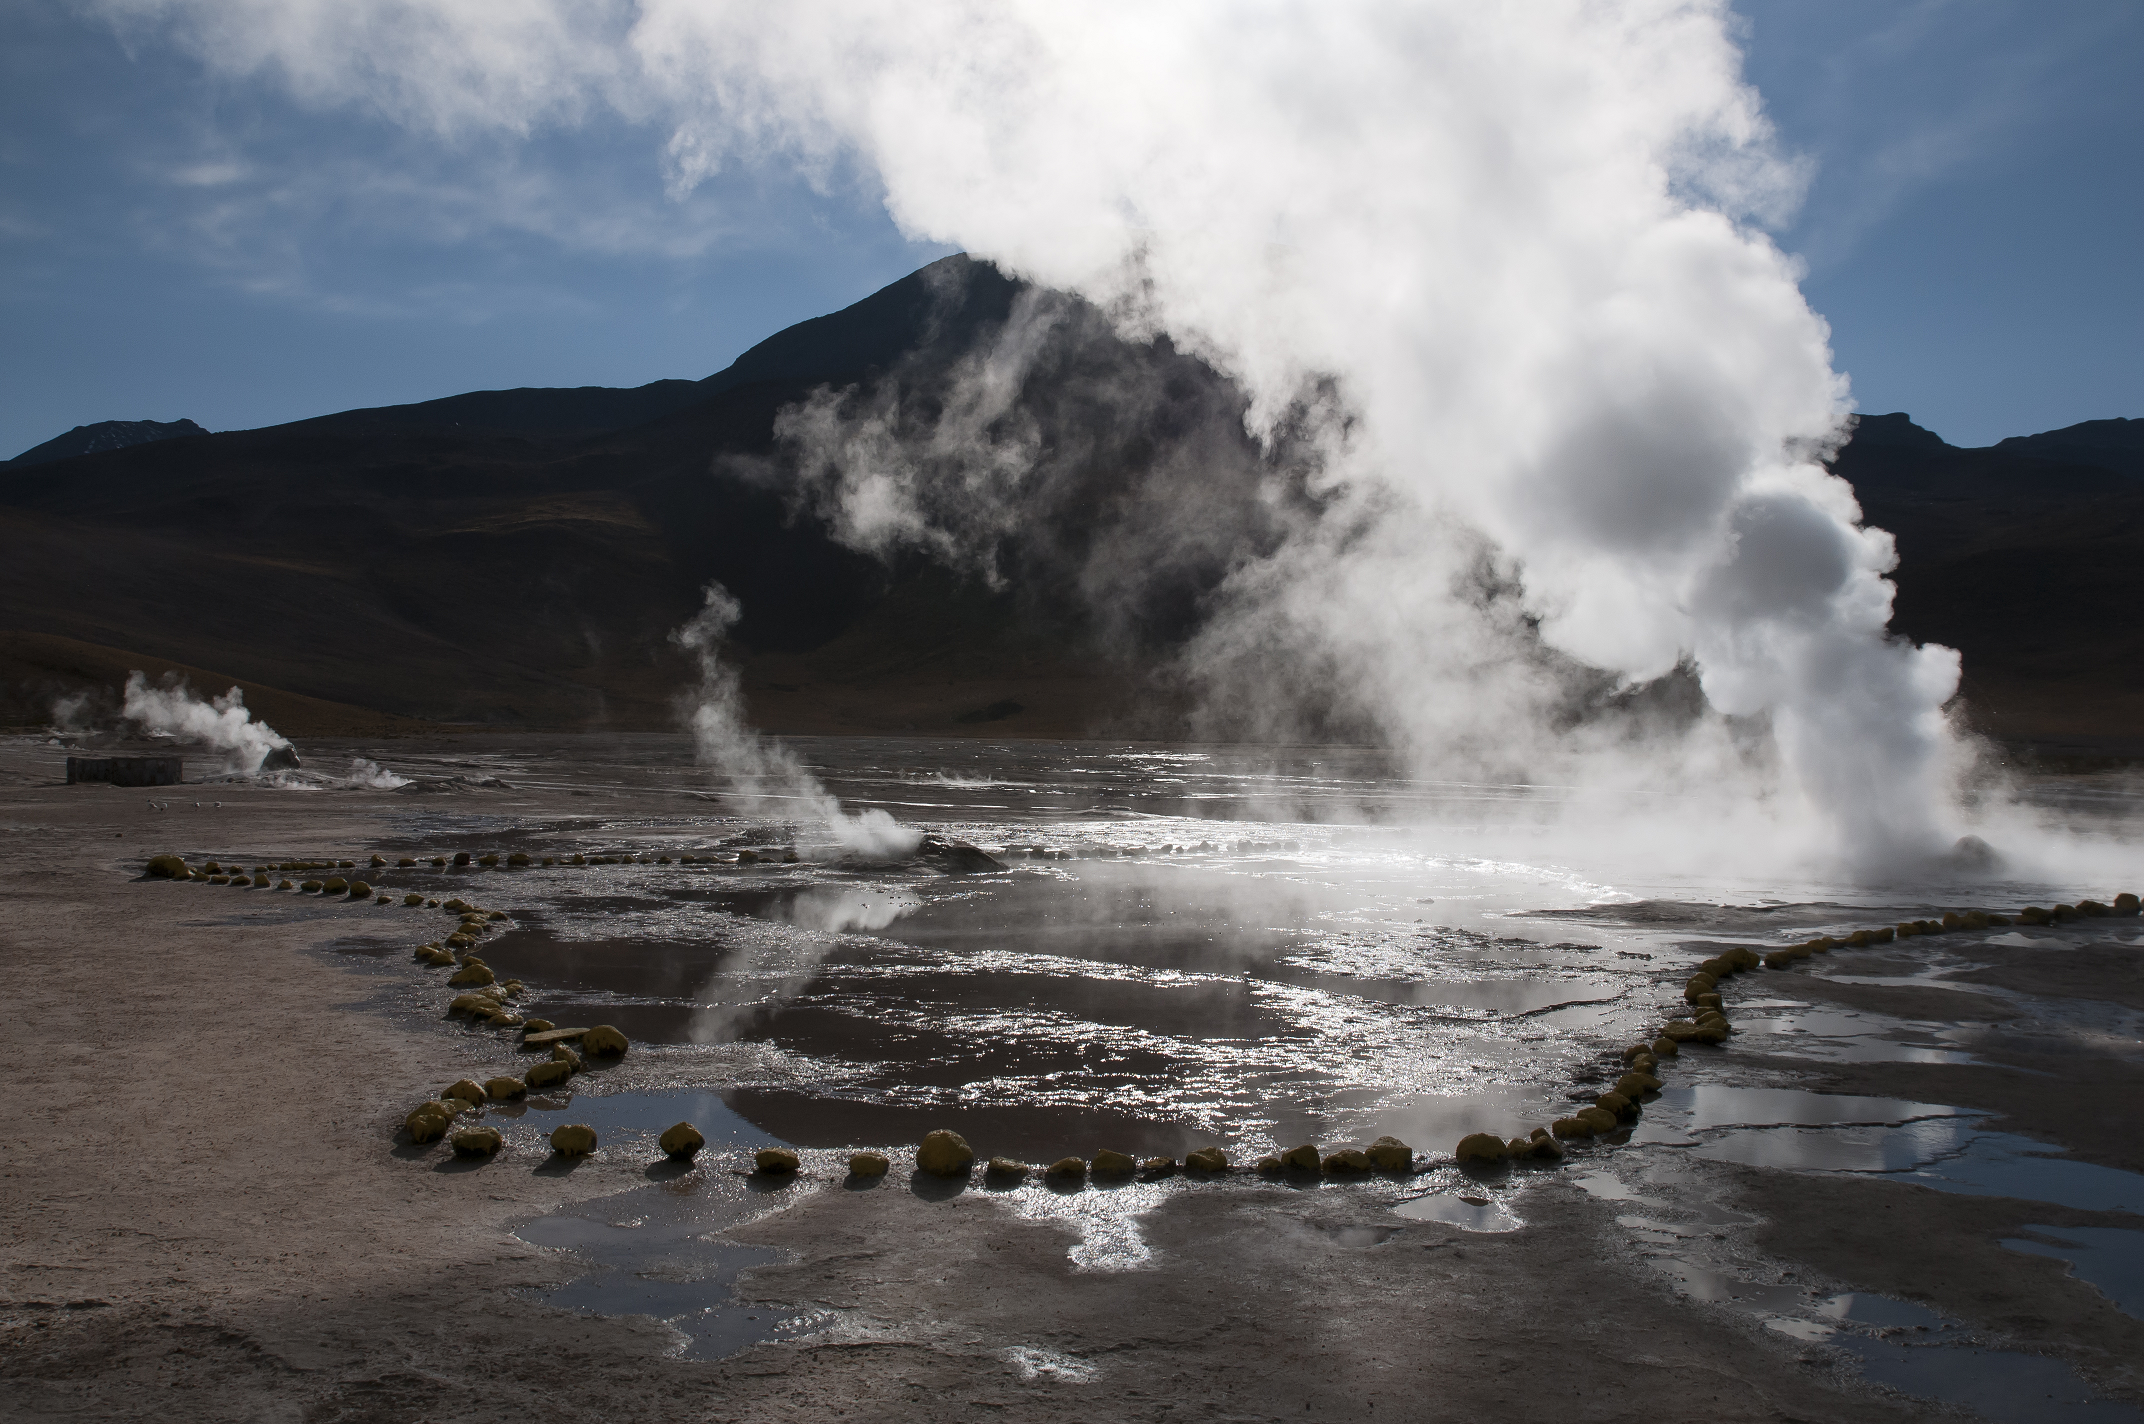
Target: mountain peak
105 435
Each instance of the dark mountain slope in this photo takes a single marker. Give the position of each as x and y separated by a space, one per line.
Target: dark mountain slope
104 435
2029 565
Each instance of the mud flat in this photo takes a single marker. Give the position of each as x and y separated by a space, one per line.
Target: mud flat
210 1212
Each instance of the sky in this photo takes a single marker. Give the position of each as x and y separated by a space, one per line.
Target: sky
178 244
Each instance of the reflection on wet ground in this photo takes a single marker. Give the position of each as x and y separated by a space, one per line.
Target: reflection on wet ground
1192 947
2109 1258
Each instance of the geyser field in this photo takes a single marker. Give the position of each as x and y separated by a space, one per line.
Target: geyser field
1286 787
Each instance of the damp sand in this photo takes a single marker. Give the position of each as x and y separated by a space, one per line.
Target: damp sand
205 1193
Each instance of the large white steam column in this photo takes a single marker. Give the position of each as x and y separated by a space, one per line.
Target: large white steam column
1521 240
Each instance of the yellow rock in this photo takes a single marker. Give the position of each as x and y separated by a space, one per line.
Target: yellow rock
1207 1159
1069 1168
1635 1085
1154 1167
168 867
561 1053
1301 1159
1481 1147
472 974
682 1140
546 1075
539 1025
1571 1127
603 1041
468 1090
1601 1119
1544 1147
1346 1161
334 886
943 1154
518 858
1389 1154
1665 1047
1616 1103
478 1141
310 887
775 1161
862 1164
284 885
1114 1164
1004 1169
573 1140
1269 1167
412 900
427 1124
500 1090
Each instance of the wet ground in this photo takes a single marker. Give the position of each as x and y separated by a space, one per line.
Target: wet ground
1191 947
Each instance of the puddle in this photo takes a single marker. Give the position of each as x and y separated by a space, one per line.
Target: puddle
2108 1258
1106 1219
2006 1386
656 1249
1482 1215
1860 1308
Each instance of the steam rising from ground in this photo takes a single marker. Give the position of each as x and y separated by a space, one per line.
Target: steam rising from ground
1492 273
766 776
172 709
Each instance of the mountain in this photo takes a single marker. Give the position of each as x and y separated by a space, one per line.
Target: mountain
104 435
2023 555
518 558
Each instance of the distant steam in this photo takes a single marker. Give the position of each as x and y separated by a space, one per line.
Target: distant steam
1490 276
765 776
172 709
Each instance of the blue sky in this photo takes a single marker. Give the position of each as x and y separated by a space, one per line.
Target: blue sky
173 244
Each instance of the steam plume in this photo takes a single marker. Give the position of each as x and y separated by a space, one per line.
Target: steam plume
222 722
766 775
1499 266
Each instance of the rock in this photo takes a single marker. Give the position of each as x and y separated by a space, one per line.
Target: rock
1004 1169
866 1164
1616 1103
1635 1085
1207 1159
478 1141
500 1090
1544 1147
1647 1065
311 887
1635 1049
1302 1159
2033 915
468 1090
427 1124
1599 1117
603 1041
1067 1168
538 1026
1571 1127
945 1154
547 1075
1481 1147
560 1053
1665 1047
1156 1167
1269 1167
2125 903
1389 1154
681 1140
776 1161
412 900
486 860
540 1037
167 867
1708 1001
1114 1164
359 890
285 885
335 886
1684 1031
953 857
473 973
473 1004
518 858
1348 1161
573 1140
